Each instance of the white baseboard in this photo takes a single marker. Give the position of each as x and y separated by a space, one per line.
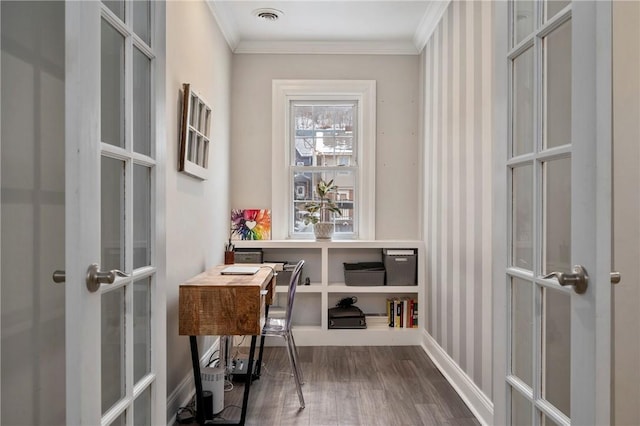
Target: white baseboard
183 393
479 404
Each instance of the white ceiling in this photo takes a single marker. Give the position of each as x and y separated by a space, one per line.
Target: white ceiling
312 26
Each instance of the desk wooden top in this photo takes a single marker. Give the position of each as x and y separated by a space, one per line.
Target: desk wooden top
215 304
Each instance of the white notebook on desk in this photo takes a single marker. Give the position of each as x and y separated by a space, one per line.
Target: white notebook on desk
240 270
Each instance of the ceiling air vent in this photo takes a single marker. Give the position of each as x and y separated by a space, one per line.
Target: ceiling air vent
268 14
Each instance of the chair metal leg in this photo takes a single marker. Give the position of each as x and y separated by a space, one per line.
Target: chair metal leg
297 356
294 368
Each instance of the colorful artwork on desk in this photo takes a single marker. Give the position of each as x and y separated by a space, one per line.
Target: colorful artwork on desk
250 224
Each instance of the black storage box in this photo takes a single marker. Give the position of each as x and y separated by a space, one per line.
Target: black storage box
364 273
400 266
346 317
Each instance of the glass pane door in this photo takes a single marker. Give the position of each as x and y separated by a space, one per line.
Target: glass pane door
540 154
127 182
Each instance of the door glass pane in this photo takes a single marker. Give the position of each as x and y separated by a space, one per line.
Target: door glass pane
142 408
552 7
141 216
557 86
557 215
522 329
116 6
141 103
520 409
113 347
121 420
112 216
546 421
521 216
556 347
112 86
522 132
141 329
142 20
523 19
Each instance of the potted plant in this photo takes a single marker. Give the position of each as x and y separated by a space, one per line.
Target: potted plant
320 212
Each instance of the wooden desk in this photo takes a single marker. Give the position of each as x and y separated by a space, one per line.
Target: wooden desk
219 305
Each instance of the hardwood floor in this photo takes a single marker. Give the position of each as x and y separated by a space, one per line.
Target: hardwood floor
351 385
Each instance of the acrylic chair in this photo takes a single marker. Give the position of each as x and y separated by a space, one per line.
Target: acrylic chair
281 327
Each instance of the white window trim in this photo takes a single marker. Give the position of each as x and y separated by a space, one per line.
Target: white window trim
283 92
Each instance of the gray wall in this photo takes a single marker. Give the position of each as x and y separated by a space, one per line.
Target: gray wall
458 187
397 148
197 211
33 225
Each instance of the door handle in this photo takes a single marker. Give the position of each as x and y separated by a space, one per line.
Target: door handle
59 276
579 278
95 277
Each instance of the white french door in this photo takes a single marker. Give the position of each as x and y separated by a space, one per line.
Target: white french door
553 152
115 317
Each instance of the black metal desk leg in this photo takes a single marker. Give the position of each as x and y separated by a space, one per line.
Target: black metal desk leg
259 366
245 398
198 379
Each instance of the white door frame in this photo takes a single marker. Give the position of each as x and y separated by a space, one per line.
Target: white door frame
82 188
591 213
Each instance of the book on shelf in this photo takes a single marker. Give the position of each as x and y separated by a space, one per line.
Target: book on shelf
402 312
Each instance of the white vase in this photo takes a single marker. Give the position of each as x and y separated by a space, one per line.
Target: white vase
323 230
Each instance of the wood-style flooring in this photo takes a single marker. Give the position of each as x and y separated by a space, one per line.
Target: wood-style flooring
351 385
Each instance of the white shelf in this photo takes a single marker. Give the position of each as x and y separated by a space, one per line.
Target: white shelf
324 268
387 289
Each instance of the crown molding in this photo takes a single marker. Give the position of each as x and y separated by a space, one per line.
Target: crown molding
327 47
429 23
430 20
225 23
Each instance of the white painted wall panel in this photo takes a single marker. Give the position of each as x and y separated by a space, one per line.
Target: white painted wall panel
197 211
458 189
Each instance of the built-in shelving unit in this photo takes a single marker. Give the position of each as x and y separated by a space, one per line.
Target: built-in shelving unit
324 268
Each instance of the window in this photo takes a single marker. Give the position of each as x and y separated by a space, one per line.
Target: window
323 129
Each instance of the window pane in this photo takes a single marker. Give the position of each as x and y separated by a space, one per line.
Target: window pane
113 347
522 133
141 329
523 19
324 135
121 420
522 330
552 7
557 215
112 214
112 86
521 217
141 216
546 421
142 20
305 192
142 408
116 6
141 103
520 409
556 354
557 86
